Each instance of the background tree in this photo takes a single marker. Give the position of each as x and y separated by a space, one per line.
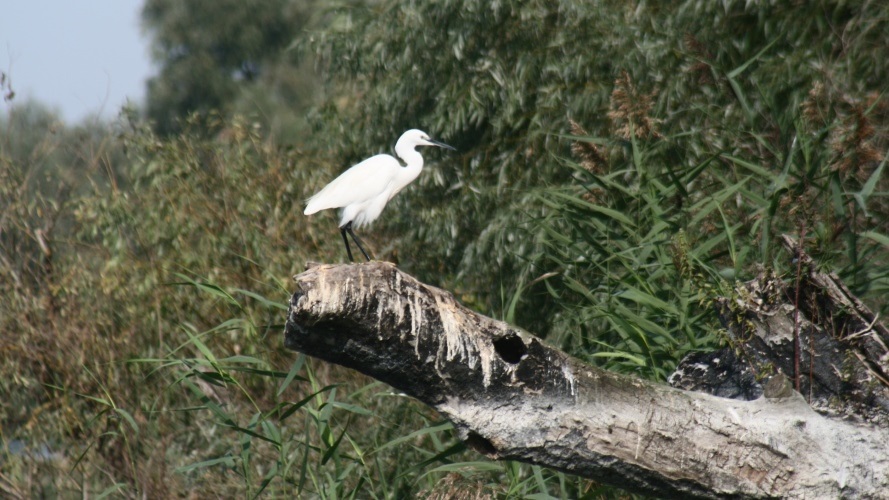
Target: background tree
225 57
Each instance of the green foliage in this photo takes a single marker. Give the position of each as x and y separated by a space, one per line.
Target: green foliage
225 57
619 166
93 274
635 291
651 230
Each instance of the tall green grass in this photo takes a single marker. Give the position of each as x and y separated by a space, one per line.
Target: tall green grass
655 226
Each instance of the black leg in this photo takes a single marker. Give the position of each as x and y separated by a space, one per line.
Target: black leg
346 240
357 240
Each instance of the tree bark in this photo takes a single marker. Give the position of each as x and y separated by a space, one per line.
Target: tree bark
848 378
512 397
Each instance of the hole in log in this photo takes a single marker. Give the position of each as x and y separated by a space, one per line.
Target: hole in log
478 443
510 348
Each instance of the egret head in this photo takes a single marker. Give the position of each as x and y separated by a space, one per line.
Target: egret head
413 138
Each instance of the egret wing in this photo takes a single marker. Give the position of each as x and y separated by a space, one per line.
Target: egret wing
363 181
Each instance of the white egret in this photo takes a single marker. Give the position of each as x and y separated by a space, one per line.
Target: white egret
363 190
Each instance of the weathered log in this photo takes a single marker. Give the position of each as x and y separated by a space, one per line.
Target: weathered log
512 397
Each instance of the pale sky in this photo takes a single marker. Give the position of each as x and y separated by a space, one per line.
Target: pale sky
79 58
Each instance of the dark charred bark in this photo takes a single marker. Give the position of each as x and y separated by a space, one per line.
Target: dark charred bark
844 338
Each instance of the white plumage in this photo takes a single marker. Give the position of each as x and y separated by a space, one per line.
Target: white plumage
363 190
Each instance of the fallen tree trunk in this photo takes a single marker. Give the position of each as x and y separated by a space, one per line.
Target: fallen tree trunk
512 397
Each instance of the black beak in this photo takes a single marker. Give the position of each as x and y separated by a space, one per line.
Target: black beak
442 145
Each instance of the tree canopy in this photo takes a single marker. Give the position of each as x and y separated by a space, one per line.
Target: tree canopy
213 55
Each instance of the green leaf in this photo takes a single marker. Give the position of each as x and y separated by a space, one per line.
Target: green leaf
642 298
756 169
882 239
608 212
210 288
197 342
867 190
328 454
637 360
743 67
269 476
227 461
128 418
114 488
292 374
242 359
264 301
208 402
293 407
250 432
446 426
467 468
351 408
708 204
